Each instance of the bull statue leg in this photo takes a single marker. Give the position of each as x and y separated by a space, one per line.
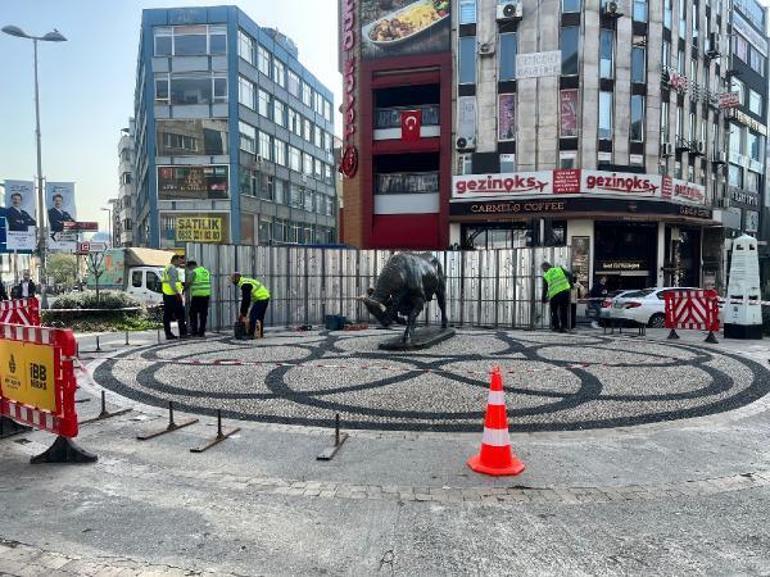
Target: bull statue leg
441 299
411 321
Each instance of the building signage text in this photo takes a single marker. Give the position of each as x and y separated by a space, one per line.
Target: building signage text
503 184
744 197
538 64
349 161
747 120
729 100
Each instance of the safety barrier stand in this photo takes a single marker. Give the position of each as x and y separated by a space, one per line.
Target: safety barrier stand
105 414
20 312
693 310
221 436
339 438
37 387
172 426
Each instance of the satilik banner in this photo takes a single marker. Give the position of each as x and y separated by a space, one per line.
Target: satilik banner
19 212
60 207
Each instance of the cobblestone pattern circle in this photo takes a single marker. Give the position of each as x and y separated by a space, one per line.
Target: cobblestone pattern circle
552 382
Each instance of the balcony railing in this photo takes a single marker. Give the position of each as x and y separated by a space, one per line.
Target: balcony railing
407 183
391 117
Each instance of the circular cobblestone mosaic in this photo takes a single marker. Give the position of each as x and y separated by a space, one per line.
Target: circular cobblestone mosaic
552 382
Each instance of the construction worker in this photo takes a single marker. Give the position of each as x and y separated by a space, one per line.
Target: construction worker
556 289
255 295
173 305
198 281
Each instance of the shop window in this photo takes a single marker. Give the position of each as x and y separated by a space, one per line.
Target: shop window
508 56
570 37
467 60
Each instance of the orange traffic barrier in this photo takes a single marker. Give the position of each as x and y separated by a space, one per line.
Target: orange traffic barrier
496 457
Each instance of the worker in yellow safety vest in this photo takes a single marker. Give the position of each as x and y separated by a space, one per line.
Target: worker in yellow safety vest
173 305
198 281
254 295
556 289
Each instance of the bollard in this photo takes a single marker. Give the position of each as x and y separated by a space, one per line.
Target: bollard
221 435
339 439
172 425
126 338
158 336
98 348
105 414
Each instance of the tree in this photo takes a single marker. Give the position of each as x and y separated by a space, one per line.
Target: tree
63 268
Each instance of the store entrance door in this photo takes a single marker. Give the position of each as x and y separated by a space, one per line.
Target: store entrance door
626 253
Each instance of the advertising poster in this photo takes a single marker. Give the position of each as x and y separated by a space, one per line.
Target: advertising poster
199 229
19 212
581 258
193 183
28 375
60 207
569 113
506 117
402 27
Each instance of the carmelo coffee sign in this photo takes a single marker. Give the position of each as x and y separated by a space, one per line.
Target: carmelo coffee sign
349 162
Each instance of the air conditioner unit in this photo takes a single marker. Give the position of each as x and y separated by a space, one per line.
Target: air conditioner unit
486 48
698 147
720 157
666 150
713 49
612 10
509 11
465 143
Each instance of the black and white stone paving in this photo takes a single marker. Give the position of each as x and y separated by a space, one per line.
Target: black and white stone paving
553 382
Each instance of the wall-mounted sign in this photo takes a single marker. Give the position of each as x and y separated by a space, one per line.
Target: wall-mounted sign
644 185
568 117
743 197
729 100
683 192
401 28
621 265
538 64
199 229
747 120
192 182
511 184
349 160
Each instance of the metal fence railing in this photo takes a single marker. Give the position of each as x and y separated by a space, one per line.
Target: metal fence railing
489 288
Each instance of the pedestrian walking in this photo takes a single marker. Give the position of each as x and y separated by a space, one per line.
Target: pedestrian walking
254 300
556 289
198 279
173 304
25 289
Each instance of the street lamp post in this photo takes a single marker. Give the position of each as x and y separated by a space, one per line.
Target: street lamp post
54 36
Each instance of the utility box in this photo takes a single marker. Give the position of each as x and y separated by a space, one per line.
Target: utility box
743 305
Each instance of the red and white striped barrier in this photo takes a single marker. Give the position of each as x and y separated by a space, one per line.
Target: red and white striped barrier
693 310
38 383
20 312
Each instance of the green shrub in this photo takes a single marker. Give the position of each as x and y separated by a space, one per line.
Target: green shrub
108 300
101 315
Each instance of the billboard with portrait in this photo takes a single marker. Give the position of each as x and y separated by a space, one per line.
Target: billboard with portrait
404 27
193 183
506 117
207 137
19 208
60 207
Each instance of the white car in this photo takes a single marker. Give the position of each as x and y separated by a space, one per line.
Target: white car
645 307
607 312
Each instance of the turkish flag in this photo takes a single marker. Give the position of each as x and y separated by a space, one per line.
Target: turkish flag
411 122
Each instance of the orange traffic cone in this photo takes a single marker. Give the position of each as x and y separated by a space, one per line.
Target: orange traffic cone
496 457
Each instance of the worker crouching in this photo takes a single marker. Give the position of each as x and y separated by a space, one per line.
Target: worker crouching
255 298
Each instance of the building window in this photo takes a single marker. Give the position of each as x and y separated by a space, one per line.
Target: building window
665 57
279 112
735 176
681 65
694 70
279 152
246 92
194 89
248 137
464 164
189 40
570 6
279 73
295 159
637 118
318 137
280 190
568 113
693 126
736 139
507 163
307 164
217 40
754 145
752 181
161 89
638 65
682 18
307 130
605 116
695 24
263 104
739 87
665 128
265 146
757 62
640 10
506 117
293 83
263 60
246 47
507 56
307 94
606 50
466 116
742 48
667 14
466 65
569 50
755 102
567 159
467 11
164 43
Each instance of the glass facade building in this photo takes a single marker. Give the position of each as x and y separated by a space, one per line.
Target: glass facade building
233 136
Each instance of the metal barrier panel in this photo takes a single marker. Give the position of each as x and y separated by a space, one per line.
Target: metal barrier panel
494 288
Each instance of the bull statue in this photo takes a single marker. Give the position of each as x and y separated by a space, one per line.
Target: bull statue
407 282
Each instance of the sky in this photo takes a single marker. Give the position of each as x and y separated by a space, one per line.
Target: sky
87 83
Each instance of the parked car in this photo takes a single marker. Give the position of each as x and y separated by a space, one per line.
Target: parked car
606 310
644 307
